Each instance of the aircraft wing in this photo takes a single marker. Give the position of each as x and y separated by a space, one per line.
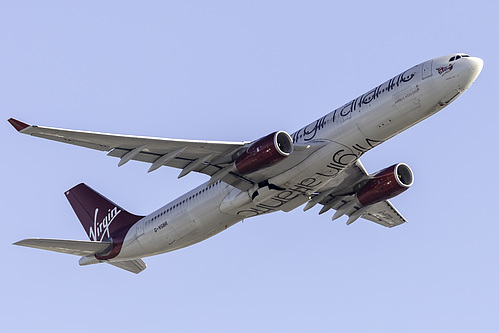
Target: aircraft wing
341 198
384 213
213 158
206 157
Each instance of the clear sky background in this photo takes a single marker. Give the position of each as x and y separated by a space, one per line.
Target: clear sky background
234 70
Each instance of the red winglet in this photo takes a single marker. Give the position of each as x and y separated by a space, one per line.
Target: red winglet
18 125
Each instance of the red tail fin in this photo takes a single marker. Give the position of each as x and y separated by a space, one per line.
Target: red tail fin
101 218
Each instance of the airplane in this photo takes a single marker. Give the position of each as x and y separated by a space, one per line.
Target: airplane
317 165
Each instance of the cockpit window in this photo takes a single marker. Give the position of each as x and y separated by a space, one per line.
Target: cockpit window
459 56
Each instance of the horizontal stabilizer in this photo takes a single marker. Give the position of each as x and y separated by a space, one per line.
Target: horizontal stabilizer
135 266
75 247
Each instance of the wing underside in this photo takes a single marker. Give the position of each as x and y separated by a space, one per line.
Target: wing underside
213 158
208 157
384 213
341 198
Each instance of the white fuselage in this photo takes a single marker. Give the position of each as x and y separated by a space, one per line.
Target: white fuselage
344 134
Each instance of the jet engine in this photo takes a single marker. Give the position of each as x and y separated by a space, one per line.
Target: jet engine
385 184
264 152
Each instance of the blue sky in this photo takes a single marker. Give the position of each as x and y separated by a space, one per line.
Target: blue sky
226 70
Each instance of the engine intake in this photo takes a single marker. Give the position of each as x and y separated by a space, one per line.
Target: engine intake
386 184
265 152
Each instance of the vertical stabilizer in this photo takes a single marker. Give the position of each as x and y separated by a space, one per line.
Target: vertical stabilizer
101 218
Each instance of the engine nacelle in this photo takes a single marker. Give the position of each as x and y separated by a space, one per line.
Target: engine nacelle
264 152
386 184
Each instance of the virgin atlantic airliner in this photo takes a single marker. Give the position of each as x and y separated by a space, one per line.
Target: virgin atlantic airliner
317 165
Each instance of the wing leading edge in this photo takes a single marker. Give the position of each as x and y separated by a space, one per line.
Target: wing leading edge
208 157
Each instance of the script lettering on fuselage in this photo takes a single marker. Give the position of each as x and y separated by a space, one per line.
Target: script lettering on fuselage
280 199
309 132
101 229
341 160
345 112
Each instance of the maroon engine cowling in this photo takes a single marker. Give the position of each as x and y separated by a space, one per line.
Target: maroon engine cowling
386 184
265 152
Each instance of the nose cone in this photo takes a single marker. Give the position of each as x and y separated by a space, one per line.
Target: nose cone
475 66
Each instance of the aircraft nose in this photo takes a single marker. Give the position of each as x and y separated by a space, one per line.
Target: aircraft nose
476 64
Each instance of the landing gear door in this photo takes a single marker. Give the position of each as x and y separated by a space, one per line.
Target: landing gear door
427 69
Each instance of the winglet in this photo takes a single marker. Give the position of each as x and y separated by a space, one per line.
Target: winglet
18 125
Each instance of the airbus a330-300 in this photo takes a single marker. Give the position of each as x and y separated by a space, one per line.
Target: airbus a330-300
316 165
